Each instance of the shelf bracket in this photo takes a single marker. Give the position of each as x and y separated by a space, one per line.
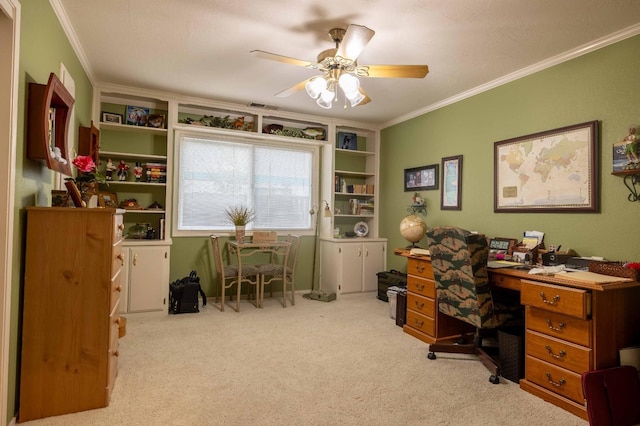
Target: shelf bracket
417 209
631 182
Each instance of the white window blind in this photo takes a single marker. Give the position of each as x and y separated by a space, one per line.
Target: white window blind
215 174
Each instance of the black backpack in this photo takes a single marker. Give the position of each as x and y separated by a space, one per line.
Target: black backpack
183 295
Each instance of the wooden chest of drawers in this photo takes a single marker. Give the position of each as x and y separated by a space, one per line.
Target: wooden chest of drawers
570 330
423 321
71 310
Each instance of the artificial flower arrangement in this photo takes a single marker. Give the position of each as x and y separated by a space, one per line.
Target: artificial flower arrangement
87 171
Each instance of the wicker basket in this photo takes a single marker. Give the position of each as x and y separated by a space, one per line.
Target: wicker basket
615 269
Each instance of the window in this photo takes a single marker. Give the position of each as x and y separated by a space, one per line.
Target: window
216 172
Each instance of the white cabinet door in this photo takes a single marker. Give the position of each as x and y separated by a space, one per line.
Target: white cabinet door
148 278
373 261
351 271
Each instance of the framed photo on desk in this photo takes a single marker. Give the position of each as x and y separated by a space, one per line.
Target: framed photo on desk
552 171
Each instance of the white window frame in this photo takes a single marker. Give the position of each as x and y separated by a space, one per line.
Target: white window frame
249 138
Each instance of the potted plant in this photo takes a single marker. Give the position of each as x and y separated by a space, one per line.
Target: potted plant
240 216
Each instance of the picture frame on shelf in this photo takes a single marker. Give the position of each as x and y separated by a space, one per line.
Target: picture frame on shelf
421 178
110 117
347 141
451 194
108 199
561 167
60 198
156 120
74 193
137 116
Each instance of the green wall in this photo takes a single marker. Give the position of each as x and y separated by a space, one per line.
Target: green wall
603 85
43 46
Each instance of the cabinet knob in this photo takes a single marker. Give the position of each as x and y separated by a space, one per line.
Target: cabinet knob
135 259
121 227
116 353
119 289
120 257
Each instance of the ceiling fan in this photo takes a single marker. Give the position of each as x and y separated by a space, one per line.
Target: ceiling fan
339 68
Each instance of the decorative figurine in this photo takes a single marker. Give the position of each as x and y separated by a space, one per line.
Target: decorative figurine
109 168
631 149
417 199
137 171
123 170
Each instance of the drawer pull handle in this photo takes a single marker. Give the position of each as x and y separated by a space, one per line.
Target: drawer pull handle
419 306
418 324
557 384
555 300
120 257
421 286
560 354
560 326
420 268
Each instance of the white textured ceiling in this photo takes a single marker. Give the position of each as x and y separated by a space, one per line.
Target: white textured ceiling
201 47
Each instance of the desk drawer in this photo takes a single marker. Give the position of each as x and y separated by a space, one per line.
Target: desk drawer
557 325
566 300
421 268
420 322
556 379
559 352
506 281
421 304
421 286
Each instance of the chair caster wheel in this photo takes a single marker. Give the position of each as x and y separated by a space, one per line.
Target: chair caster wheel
431 355
494 379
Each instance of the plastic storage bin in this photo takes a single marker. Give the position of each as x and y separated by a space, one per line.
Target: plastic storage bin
392 295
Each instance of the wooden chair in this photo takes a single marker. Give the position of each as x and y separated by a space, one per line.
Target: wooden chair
459 260
275 270
228 274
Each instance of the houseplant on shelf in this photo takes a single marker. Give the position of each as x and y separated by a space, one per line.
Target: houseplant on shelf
240 216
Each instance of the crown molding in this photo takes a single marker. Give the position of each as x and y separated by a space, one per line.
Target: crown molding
61 14
548 63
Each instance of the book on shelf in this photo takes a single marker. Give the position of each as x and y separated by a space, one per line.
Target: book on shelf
156 172
360 207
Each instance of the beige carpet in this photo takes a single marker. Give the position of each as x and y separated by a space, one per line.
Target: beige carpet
338 363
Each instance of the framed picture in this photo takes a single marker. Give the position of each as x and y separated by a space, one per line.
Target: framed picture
347 141
109 117
60 198
74 193
417 178
552 171
156 120
108 199
137 116
450 197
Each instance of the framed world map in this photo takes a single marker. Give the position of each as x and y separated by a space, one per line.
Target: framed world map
552 171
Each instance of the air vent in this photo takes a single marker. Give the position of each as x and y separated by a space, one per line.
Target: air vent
263 106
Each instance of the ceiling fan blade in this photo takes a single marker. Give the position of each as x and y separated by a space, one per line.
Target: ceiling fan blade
366 99
354 41
293 89
398 71
287 60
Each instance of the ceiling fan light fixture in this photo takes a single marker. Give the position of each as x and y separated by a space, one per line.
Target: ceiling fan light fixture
349 83
325 99
315 86
354 98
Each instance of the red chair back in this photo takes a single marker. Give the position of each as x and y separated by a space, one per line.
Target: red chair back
612 396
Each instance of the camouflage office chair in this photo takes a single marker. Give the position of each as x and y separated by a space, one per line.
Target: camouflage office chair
459 260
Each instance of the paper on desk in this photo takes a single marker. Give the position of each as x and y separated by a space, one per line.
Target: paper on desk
548 270
532 238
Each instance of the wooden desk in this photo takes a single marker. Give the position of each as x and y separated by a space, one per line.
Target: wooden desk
571 326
